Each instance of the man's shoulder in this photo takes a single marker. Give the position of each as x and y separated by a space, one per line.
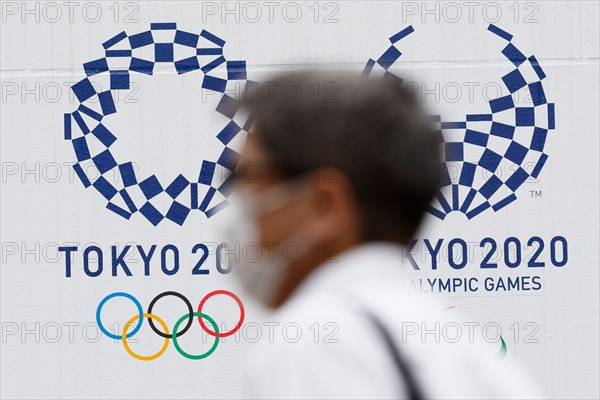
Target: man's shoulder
323 349
338 342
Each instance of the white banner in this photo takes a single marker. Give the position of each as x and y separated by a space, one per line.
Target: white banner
116 137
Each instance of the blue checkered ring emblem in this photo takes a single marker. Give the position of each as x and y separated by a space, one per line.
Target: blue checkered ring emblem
92 138
498 149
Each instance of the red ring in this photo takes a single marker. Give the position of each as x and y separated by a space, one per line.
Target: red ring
236 327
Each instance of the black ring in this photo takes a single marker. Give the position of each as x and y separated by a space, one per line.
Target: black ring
185 300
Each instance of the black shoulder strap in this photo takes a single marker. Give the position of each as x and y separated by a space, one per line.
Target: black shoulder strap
414 393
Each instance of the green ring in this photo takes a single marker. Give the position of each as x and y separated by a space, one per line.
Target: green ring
191 356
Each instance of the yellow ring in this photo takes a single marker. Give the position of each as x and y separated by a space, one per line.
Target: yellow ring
137 356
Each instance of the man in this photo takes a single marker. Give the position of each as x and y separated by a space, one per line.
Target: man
333 183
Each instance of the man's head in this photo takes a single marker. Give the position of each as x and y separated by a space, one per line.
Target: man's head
333 161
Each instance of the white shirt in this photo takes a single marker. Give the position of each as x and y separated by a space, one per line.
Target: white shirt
349 357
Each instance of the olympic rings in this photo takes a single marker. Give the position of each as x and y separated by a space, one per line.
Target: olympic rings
216 332
119 294
145 358
191 356
165 329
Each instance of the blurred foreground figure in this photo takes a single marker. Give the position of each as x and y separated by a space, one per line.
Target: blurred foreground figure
332 184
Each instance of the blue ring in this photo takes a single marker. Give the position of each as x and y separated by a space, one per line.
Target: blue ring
217 74
137 304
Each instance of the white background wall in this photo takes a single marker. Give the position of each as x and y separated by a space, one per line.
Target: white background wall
166 127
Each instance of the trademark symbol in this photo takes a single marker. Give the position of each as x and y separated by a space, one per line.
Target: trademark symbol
535 193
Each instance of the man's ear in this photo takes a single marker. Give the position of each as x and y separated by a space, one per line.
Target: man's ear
336 212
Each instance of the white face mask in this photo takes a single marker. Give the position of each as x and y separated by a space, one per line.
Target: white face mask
260 271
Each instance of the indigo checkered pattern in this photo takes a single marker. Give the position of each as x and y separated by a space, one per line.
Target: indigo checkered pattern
491 154
88 132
